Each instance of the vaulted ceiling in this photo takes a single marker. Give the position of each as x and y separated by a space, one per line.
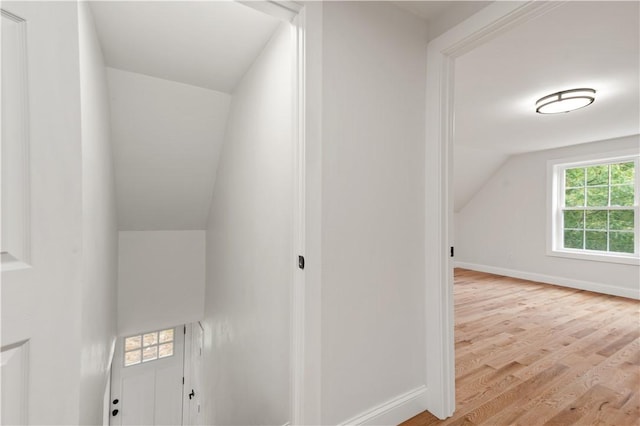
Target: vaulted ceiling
172 67
208 44
201 50
577 44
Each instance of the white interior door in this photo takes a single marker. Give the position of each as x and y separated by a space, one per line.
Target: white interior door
148 392
13 390
194 373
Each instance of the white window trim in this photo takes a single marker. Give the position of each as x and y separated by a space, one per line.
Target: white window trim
554 200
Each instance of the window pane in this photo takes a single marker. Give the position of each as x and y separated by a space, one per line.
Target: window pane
166 335
132 358
598 197
596 240
622 173
150 338
621 220
574 177
622 195
166 350
597 175
132 343
574 197
596 219
150 353
574 219
573 239
621 242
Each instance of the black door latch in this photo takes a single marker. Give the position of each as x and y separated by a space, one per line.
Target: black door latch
301 262
192 394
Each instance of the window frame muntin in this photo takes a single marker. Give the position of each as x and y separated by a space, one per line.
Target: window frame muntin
555 217
142 347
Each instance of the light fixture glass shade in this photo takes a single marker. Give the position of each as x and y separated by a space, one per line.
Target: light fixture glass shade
565 101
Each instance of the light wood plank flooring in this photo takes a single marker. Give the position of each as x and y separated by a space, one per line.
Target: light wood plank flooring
536 354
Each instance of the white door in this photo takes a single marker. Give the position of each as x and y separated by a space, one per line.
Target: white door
149 390
194 372
13 387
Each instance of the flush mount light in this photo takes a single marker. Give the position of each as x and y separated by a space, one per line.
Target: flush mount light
565 101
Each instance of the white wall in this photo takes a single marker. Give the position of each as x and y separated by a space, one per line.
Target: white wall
373 130
99 227
503 228
160 279
471 169
249 257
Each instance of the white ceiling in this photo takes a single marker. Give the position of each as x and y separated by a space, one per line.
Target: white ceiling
166 143
427 10
203 43
442 15
577 44
172 67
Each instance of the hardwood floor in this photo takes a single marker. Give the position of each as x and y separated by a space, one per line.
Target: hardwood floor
536 354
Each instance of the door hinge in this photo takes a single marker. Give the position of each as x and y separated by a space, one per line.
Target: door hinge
452 251
185 330
183 380
301 262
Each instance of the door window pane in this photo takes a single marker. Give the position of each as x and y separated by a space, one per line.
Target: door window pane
132 343
132 357
150 353
166 335
148 346
150 339
165 350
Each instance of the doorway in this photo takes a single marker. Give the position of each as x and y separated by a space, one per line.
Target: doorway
442 53
147 378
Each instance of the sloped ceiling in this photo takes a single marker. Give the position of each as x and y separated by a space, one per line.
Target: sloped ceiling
172 67
167 139
577 44
207 44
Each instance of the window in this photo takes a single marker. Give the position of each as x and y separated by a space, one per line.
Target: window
148 346
595 209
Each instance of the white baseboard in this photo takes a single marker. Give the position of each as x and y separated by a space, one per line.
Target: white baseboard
394 411
549 279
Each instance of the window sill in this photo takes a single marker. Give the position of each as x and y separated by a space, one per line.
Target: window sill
597 257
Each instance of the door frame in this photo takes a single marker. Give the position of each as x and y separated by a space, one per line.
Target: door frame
187 369
442 52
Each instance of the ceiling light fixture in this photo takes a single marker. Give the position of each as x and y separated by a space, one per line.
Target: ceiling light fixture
565 101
